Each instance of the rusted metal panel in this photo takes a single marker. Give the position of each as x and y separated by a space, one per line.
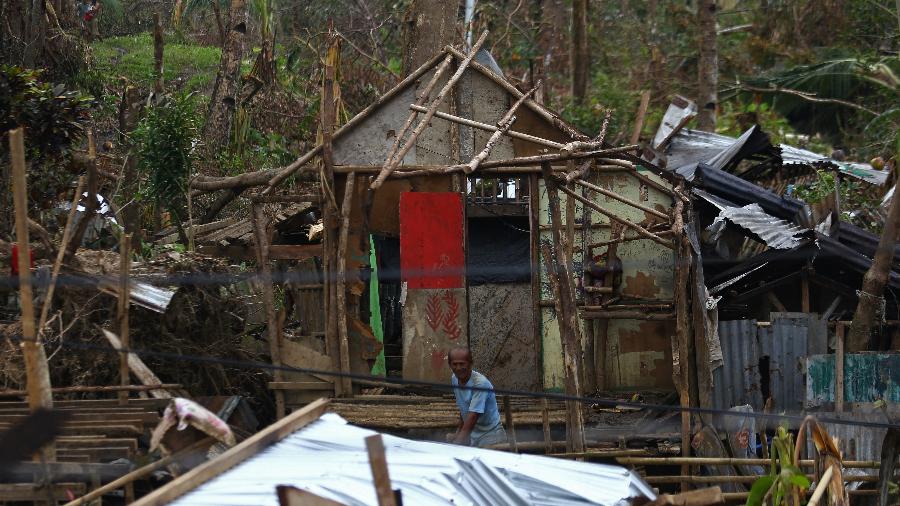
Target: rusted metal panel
501 334
737 382
867 378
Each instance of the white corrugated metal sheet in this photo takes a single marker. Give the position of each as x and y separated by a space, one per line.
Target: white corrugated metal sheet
328 458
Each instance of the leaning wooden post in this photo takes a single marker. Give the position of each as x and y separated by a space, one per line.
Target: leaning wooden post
122 312
265 280
510 428
380 475
346 206
545 423
559 274
682 327
37 372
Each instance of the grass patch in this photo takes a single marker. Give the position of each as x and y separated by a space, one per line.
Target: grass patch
132 57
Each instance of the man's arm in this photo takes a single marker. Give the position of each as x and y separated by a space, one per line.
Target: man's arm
465 430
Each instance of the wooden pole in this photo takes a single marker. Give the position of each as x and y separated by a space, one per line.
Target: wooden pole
682 371
490 128
60 254
37 372
346 206
122 312
273 330
589 346
839 367
510 428
141 472
502 127
609 214
380 474
158 45
639 119
823 484
138 367
616 196
561 280
534 205
545 423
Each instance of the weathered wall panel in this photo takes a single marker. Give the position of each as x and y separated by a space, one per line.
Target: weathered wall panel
737 382
638 353
433 268
501 335
867 378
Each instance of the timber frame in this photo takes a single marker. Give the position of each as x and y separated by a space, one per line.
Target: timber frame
563 167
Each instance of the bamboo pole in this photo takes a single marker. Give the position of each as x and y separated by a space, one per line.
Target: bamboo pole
624 200
490 128
346 206
122 313
639 229
37 372
60 254
391 164
141 472
824 481
96 389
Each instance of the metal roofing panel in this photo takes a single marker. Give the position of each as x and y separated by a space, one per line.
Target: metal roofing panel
791 155
328 458
785 343
737 382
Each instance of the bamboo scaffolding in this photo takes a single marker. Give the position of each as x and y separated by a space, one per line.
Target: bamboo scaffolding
609 214
392 163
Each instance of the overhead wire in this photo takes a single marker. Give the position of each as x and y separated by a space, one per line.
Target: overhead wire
406 384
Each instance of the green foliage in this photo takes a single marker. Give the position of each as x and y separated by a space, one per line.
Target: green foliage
610 94
53 119
818 190
165 140
189 66
784 475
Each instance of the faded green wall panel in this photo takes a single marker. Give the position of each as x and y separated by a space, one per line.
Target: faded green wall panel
867 377
639 353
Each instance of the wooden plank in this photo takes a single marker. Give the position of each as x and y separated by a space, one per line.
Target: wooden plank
294 251
293 496
510 426
38 494
380 474
341 286
141 472
264 273
122 313
138 367
779 306
36 371
60 472
840 331
237 454
93 389
143 417
639 119
804 293
301 385
545 423
561 280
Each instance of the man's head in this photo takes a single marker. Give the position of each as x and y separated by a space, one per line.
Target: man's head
460 360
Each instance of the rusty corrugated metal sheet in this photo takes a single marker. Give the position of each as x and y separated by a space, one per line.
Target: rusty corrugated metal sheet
737 382
785 343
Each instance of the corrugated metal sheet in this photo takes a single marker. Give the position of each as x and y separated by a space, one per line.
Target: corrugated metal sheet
328 458
774 232
867 378
737 382
785 343
791 155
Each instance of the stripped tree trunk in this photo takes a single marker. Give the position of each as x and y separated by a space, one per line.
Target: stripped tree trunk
579 51
708 82
871 297
224 97
429 25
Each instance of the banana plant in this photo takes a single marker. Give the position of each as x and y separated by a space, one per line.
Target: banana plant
785 484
